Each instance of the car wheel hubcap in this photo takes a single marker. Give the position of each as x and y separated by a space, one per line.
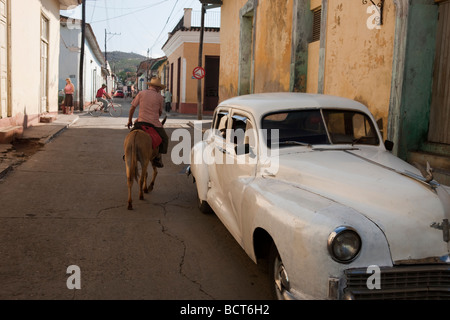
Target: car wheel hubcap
281 278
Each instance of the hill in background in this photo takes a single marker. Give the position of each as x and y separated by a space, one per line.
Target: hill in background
124 63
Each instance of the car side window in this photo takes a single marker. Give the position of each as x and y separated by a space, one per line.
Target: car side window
243 135
221 124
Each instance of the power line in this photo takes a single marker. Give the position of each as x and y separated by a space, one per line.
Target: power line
157 38
126 14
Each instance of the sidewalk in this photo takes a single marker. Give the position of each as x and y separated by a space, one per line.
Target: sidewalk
39 134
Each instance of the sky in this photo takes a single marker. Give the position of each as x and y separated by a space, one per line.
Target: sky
138 26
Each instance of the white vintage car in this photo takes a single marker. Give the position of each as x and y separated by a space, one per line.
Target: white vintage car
306 183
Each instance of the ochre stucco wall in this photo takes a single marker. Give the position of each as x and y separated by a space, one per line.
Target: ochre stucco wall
272 53
191 55
359 60
229 49
273 46
188 52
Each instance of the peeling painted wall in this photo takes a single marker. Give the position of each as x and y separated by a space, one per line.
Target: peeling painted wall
272 54
358 62
229 49
273 46
418 73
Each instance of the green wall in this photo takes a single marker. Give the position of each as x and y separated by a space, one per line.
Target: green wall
418 75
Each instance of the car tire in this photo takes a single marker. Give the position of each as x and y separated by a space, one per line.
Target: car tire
279 279
203 206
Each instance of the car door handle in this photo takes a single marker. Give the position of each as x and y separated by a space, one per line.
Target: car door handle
224 151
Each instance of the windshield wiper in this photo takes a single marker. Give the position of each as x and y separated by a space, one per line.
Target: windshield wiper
296 143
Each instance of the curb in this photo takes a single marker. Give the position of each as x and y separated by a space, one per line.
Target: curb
44 134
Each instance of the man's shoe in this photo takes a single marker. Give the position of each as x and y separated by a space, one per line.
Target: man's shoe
157 162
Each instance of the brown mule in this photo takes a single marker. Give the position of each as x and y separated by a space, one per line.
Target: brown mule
138 148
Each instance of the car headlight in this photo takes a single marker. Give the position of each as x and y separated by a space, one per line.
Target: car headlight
344 244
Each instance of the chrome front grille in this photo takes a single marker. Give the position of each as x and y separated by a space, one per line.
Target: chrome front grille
401 282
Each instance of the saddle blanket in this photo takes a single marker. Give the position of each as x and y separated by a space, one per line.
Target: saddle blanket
156 138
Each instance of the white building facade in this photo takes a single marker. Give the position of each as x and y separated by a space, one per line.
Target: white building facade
95 72
29 62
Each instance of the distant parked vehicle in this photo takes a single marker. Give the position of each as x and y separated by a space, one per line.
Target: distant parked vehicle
119 94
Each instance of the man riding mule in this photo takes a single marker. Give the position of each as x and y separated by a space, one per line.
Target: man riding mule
151 104
147 140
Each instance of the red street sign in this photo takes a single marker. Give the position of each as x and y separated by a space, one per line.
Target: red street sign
199 73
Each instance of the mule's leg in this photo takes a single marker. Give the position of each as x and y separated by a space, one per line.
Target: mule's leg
155 173
141 185
143 181
130 179
130 204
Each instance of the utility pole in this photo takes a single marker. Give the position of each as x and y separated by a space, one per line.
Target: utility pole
200 64
148 63
206 4
81 71
106 40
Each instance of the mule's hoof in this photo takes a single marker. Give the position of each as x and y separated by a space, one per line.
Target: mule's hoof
145 190
141 198
130 207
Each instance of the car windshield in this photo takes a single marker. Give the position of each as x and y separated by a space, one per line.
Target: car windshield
319 127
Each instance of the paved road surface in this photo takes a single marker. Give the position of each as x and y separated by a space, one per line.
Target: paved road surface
66 205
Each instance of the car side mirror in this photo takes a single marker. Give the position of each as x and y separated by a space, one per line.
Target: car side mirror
389 145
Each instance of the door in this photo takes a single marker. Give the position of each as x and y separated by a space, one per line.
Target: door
239 168
439 131
4 112
211 94
44 64
178 97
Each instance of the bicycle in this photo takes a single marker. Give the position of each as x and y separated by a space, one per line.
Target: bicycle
96 108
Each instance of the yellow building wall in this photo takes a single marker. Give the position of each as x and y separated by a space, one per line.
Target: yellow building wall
191 55
173 59
273 46
359 59
229 50
188 52
312 84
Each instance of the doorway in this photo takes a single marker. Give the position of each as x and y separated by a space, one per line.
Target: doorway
211 94
439 129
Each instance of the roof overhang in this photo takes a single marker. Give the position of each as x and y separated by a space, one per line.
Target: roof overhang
192 35
211 4
66 4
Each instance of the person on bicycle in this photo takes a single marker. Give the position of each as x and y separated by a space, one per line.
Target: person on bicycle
102 93
151 104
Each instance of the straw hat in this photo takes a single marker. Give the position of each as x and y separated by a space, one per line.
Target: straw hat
156 82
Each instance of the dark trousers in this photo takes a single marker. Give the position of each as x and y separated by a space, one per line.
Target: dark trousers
165 140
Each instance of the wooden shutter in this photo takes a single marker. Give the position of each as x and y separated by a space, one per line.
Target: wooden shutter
439 130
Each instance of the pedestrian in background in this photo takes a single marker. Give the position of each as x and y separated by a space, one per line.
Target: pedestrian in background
69 90
168 100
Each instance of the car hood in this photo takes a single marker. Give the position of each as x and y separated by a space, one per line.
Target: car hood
408 211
